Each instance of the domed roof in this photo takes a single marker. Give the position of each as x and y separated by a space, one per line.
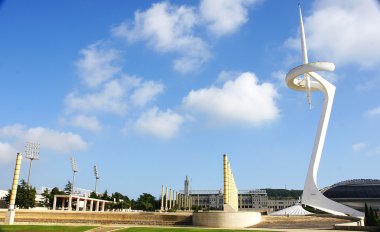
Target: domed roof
357 188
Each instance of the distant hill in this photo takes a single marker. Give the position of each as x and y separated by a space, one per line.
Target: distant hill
283 193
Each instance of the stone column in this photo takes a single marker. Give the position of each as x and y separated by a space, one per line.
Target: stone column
170 198
54 202
85 205
166 199
174 199
91 205
162 198
70 202
97 206
78 201
63 203
103 206
10 215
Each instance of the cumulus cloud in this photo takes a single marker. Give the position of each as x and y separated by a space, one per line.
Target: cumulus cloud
359 146
109 99
97 64
241 100
7 152
48 138
375 112
344 31
147 92
115 96
161 124
168 28
90 123
224 16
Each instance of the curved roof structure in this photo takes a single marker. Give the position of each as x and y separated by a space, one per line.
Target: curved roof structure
295 210
354 189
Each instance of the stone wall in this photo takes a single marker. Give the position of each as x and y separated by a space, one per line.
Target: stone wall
102 217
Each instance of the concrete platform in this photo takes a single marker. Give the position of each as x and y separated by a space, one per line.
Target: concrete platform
226 219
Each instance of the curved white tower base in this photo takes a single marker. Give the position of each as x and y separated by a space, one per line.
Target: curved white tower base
311 195
311 81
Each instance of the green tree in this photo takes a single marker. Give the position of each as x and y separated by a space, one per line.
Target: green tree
25 197
146 202
46 196
370 216
105 196
68 187
49 197
121 201
94 195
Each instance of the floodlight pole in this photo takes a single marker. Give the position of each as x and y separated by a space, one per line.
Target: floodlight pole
30 167
32 151
72 185
97 177
74 167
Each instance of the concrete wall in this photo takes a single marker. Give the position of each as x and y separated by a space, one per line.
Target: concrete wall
226 219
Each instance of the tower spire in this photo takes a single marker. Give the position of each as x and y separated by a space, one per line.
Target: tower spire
304 57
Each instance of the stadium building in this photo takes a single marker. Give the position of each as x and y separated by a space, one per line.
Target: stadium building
355 193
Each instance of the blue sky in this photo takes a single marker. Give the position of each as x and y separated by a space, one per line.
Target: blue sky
152 91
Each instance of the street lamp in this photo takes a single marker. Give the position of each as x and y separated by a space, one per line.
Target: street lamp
74 167
97 177
32 152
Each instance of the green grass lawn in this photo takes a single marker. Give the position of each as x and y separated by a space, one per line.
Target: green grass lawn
28 228
150 229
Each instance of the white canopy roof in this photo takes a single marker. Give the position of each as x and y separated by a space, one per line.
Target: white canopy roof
295 210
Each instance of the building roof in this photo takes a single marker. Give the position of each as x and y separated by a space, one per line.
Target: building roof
354 189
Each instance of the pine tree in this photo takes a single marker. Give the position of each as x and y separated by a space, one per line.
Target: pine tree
366 215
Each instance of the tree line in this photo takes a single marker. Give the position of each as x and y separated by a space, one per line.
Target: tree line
26 195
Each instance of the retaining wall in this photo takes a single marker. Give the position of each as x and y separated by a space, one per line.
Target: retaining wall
51 216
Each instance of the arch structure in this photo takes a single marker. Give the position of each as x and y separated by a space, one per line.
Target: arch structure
305 78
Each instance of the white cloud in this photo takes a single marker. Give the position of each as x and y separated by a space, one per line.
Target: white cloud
241 100
98 64
147 92
345 31
48 138
168 28
359 146
90 123
115 96
161 124
375 112
7 152
224 16
109 99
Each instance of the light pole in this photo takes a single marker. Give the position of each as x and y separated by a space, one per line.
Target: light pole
97 177
74 167
32 152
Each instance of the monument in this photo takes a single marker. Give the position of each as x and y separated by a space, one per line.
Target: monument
10 214
305 78
230 217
